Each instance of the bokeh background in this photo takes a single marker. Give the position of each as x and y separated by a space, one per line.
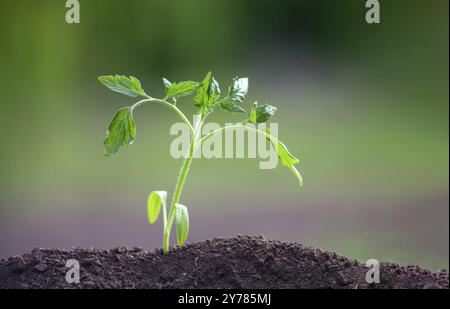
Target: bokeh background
365 107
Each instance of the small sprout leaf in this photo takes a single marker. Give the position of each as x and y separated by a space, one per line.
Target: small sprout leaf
261 113
155 200
203 93
182 223
121 131
208 94
167 83
181 89
129 86
287 159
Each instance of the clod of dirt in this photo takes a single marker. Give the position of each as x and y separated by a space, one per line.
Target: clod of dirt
241 262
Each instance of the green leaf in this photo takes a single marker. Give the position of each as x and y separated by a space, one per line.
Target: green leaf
231 107
261 113
167 83
215 89
202 96
129 86
236 94
182 223
287 159
155 199
181 89
121 131
208 94
238 90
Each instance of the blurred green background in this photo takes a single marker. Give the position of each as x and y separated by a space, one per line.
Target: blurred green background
364 106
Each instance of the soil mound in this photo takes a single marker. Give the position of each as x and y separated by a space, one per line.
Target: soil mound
240 262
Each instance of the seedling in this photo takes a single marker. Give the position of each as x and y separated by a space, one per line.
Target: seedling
207 96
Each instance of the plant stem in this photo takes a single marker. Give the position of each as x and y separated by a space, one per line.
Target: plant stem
164 214
179 188
167 104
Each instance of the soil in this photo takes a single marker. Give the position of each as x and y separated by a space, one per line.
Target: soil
240 262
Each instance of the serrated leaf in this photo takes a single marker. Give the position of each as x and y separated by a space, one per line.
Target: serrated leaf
181 89
204 91
261 113
182 223
236 95
121 131
208 94
230 107
238 90
215 88
201 98
154 202
129 86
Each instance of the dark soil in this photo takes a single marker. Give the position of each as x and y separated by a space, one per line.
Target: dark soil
241 262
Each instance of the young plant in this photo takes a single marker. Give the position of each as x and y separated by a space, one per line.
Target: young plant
207 96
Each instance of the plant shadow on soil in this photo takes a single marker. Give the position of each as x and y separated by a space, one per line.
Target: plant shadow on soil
239 262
